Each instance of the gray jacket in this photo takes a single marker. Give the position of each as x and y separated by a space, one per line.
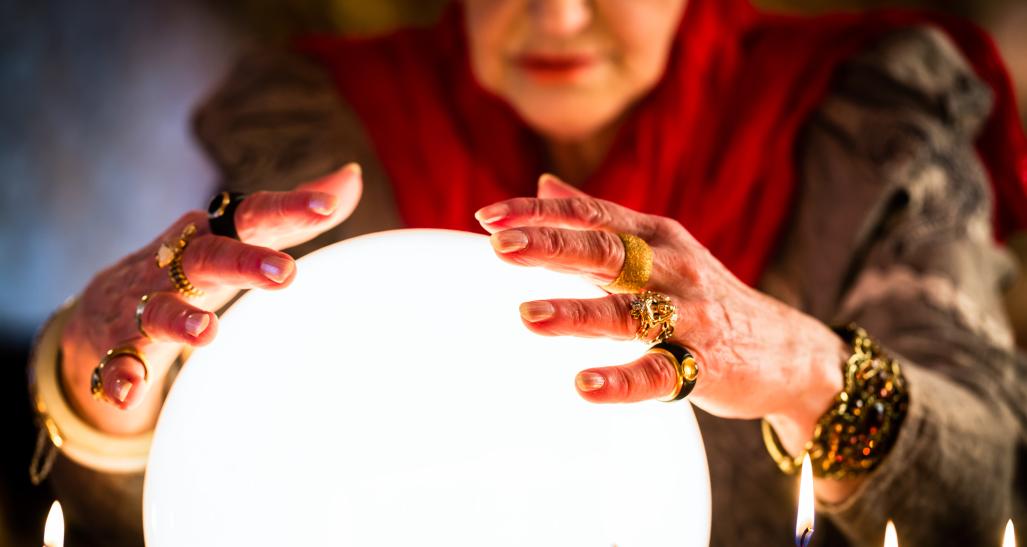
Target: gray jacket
892 230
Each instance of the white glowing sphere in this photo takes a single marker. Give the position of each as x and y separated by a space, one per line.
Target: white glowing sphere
392 397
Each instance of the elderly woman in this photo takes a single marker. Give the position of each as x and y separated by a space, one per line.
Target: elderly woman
765 177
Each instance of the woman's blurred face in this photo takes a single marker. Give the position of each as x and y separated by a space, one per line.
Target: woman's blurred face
570 67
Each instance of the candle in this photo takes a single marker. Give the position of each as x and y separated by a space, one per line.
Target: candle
804 518
890 538
53 532
1009 540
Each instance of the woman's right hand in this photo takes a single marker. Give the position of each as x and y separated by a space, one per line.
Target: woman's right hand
219 266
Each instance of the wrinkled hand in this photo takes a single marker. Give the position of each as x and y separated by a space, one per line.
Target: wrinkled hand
757 357
219 266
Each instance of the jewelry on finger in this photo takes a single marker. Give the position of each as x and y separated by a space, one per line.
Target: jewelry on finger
637 268
221 213
96 379
168 250
140 308
684 365
169 255
656 315
180 281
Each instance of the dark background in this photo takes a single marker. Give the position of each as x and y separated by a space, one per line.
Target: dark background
96 155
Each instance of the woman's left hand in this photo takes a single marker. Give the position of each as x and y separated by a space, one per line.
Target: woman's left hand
757 357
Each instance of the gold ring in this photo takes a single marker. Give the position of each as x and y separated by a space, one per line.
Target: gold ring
96 379
140 308
685 367
656 313
169 255
638 266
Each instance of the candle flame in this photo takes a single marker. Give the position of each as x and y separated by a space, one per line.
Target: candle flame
891 539
53 532
1009 540
804 519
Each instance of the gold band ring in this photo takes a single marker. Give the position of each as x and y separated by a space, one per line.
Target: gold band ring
656 315
638 266
96 379
169 255
685 367
140 308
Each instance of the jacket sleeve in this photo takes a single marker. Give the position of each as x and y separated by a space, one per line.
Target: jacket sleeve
891 179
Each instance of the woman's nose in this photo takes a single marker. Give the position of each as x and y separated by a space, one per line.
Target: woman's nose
563 17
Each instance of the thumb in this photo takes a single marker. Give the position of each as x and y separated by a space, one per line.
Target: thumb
549 186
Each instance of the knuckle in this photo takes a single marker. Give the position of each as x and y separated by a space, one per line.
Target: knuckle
278 206
551 244
575 313
619 310
202 253
536 209
619 382
608 250
667 224
155 314
707 315
589 210
656 371
653 227
253 207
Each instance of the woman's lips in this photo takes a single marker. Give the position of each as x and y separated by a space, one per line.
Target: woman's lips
556 68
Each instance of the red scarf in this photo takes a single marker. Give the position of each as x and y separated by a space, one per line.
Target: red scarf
713 145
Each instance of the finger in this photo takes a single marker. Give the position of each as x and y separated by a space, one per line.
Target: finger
608 317
597 255
549 186
577 213
211 262
124 382
284 219
649 377
167 317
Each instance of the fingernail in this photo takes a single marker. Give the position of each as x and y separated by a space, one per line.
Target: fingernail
509 241
492 213
276 268
322 204
196 323
589 381
533 312
122 388
354 168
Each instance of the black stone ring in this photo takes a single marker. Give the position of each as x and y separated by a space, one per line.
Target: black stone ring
684 365
221 213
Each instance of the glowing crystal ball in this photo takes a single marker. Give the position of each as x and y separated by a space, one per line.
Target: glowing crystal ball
392 397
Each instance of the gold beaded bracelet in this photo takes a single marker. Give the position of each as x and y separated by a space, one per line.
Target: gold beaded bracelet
862 423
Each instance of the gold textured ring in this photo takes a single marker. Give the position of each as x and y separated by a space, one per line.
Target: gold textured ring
656 315
140 308
96 379
638 266
169 256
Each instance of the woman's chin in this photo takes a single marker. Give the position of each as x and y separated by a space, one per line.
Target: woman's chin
572 122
